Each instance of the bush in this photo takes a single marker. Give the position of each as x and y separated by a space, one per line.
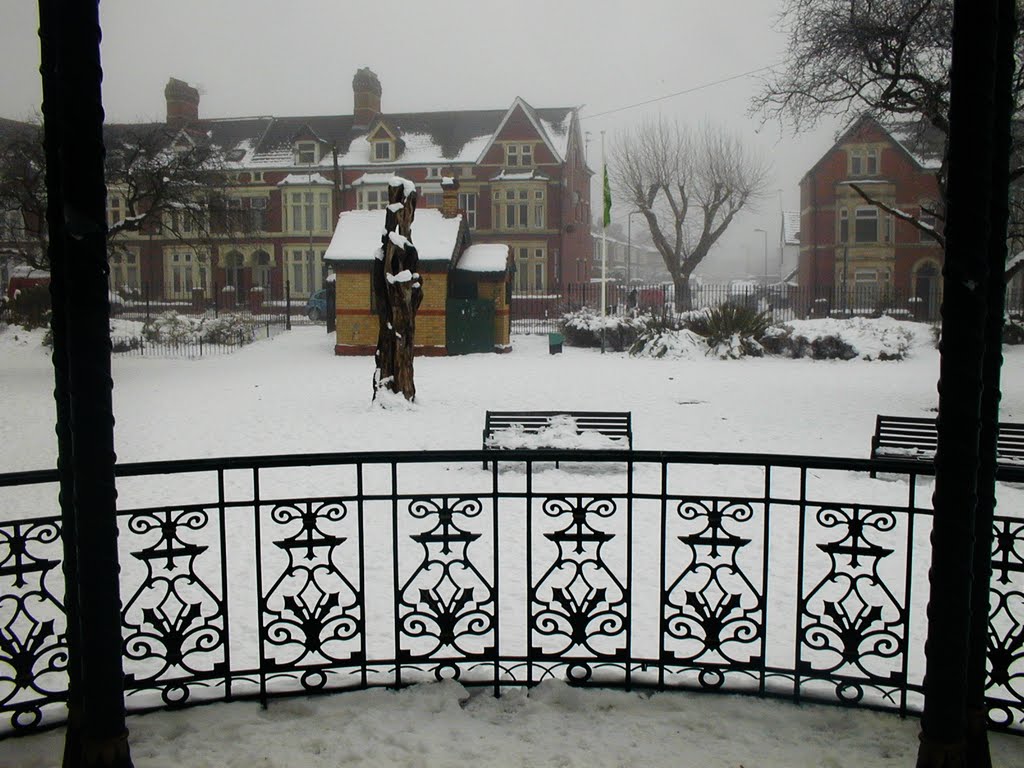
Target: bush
172 328
585 327
731 327
30 307
832 348
1013 331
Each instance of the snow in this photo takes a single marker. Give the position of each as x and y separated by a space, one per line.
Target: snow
408 187
357 235
373 178
271 397
484 257
521 176
405 276
305 179
871 338
560 433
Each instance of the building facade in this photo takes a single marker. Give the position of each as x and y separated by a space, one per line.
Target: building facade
521 173
852 249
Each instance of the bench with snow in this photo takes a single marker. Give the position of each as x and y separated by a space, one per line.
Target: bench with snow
589 430
914 438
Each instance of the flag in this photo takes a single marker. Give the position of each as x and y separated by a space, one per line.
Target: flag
607 199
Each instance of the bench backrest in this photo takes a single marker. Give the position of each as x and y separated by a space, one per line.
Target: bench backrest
922 434
610 423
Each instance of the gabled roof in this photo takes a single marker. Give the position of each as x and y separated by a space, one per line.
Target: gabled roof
537 120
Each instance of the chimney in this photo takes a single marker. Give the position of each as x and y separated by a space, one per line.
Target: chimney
449 197
366 93
182 103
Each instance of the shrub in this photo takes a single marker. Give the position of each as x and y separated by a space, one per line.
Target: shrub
228 329
781 340
720 324
30 307
831 348
585 327
1013 331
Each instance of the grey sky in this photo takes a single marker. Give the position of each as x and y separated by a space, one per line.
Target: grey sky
252 57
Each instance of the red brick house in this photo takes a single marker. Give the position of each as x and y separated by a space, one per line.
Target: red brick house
521 173
851 250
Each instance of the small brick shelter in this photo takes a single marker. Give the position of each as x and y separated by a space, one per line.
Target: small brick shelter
465 286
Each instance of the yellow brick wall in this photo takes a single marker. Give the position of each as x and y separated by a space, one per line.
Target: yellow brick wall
431 330
355 324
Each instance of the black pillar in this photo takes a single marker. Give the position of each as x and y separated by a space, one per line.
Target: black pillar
969 194
61 389
72 78
977 667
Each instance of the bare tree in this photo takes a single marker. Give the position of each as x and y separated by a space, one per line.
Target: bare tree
887 58
689 185
23 232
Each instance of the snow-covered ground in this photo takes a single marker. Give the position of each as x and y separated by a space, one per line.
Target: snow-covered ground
292 395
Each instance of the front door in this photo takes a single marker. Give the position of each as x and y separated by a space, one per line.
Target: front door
470 326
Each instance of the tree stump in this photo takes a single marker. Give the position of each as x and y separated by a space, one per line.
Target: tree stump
398 292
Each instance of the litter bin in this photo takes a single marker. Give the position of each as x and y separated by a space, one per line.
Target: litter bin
555 341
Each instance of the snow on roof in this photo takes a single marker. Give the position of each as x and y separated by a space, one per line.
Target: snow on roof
558 134
484 257
23 270
303 178
357 236
521 176
921 141
373 178
791 227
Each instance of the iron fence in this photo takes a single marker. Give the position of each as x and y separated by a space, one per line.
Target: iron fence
785 576
195 344
542 312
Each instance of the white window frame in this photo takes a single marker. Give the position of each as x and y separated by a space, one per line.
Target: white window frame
125 271
302 269
375 154
371 198
531 268
309 148
866 213
467 204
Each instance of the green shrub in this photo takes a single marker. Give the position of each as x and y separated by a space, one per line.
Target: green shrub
1013 331
720 324
585 327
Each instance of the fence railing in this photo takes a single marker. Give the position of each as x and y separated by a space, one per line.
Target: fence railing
541 312
770 575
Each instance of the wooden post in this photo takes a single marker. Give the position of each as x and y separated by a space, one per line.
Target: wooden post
965 271
397 289
74 128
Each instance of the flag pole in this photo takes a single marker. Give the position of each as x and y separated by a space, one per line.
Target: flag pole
604 230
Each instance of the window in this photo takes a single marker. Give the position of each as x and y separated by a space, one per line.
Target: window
381 150
844 226
433 172
261 269
866 225
124 272
856 163
114 213
257 213
515 207
234 217
531 268
871 162
302 266
234 263
186 271
519 155
325 212
927 220
432 199
371 198
305 153
467 203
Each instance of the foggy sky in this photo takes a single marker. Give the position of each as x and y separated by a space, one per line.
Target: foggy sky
256 57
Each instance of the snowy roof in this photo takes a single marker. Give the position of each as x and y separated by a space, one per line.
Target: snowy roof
484 257
791 227
358 235
521 176
373 178
921 141
303 178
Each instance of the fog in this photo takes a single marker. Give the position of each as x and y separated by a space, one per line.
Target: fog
679 59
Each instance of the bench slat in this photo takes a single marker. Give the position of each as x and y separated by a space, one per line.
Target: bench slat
900 436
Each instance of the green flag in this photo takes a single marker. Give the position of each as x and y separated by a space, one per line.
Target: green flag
607 199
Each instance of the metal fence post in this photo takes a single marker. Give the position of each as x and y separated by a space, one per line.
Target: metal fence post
287 305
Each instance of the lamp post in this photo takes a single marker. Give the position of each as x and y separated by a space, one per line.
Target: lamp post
629 244
765 233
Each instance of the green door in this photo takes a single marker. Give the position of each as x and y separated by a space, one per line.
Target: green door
470 325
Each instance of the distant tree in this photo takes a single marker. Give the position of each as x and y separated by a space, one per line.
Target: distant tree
398 292
689 185
887 58
168 181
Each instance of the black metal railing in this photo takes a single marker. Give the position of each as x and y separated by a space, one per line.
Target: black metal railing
787 576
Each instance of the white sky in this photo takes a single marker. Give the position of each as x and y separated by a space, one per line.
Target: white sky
261 57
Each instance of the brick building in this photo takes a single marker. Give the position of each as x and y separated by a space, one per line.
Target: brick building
523 181
850 248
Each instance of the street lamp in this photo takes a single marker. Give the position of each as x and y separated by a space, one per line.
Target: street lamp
629 243
765 233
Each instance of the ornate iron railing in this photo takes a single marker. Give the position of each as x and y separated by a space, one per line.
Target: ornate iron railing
257 577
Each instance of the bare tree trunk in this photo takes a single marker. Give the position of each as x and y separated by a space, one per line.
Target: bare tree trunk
683 297
398 293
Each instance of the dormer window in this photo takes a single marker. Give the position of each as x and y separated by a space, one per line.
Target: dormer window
382 151
864 162
305 153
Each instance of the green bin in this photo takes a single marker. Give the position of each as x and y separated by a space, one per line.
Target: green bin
555 341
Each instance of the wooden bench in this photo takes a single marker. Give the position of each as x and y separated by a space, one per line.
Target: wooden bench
616 425
915 439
